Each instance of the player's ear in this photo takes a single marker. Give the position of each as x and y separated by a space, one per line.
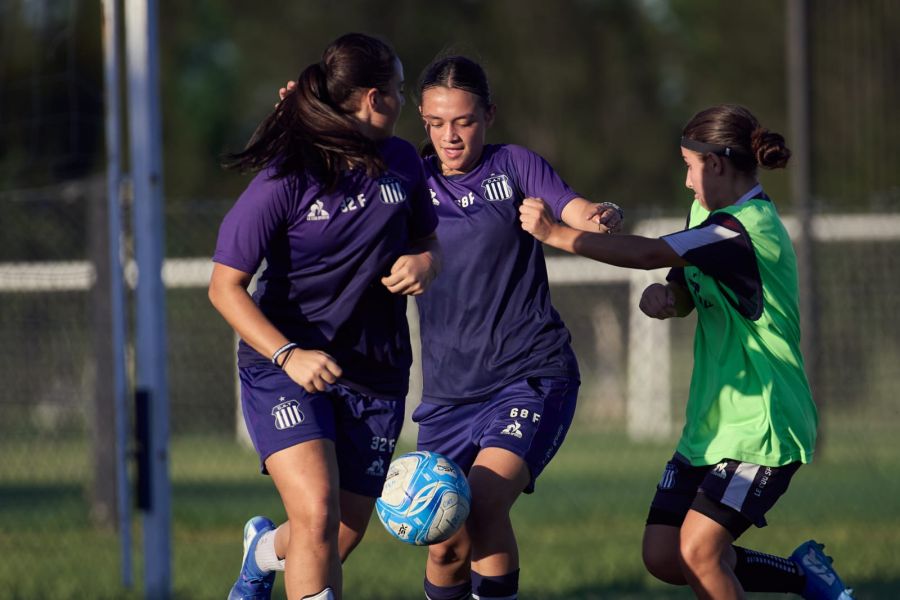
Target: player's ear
371 98
489 114
716 163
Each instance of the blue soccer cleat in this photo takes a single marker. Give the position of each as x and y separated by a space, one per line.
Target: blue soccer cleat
253 583
822 583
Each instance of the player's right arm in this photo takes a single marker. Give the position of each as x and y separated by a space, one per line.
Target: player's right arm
312 369
666 300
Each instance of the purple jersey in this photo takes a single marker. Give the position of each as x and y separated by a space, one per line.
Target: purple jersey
326 253
487 320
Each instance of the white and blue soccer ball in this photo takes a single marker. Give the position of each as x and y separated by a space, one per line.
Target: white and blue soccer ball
425 498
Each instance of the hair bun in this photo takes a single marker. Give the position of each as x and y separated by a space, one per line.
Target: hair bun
769 148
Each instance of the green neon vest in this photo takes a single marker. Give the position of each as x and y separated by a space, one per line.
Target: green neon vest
749 397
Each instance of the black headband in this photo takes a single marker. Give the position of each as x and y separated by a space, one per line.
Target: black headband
705 148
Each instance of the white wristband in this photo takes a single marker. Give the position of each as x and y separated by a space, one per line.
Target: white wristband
281 351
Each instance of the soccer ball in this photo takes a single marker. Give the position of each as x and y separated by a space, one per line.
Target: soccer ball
425 498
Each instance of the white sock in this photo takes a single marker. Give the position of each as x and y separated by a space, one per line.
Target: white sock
326 594
265 556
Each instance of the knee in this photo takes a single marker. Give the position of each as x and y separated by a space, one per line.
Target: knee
449 553
315 519
662 563
697 557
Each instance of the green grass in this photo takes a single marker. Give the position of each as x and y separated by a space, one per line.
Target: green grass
579 534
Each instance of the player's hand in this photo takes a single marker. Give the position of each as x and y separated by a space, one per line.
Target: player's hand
287 89
658 301
313 369
608 217
536 218
411 274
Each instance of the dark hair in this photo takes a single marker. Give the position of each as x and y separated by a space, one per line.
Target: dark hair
737 134
454 72
312 128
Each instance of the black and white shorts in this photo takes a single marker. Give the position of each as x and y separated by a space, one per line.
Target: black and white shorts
732 493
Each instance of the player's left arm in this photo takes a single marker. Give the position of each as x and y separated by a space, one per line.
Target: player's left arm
412 273
631 251
582 214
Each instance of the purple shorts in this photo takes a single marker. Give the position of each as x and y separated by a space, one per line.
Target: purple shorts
364 428
529 417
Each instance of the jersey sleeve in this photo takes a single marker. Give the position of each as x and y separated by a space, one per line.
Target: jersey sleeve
258 214
721 248
424 218
676 274
536 178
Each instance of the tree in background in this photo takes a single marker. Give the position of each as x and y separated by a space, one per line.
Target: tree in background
600 87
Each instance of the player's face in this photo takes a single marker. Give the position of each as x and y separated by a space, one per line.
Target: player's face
456 122
699 178
390 102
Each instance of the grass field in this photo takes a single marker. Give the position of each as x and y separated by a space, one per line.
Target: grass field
579 534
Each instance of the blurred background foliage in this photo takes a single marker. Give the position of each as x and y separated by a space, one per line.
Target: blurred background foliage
601 88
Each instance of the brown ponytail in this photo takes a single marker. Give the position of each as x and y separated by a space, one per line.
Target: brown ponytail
312 128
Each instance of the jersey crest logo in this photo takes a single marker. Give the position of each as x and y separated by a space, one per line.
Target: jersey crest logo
392 191
317 212
496 188
434 199
287 414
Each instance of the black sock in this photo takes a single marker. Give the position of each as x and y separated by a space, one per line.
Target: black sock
503 586
462 591
760 572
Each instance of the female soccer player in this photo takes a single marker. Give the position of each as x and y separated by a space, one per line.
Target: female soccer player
500 377
341 214
751 421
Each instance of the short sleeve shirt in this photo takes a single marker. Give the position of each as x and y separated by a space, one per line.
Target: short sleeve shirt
325 253
487 320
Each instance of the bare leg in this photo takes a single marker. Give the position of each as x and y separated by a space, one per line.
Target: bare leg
708 559
661 551
306 476
448 562
356 511
486 543
497 478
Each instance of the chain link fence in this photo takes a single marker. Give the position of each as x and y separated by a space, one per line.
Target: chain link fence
58 529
